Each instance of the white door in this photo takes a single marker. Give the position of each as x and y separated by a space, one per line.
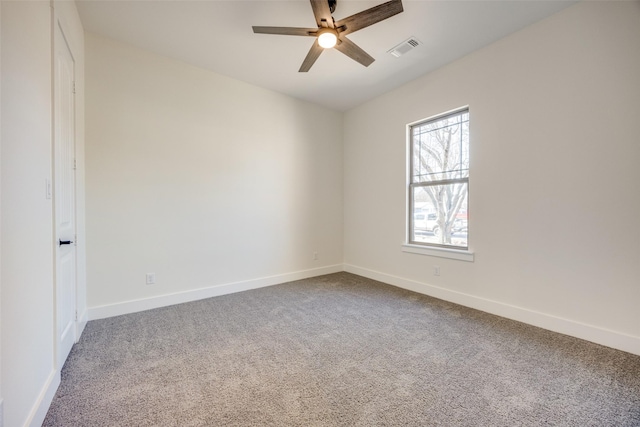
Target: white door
64 200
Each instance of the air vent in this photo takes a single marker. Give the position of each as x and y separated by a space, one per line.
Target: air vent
404 47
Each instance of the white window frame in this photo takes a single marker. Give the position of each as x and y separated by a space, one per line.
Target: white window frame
425 248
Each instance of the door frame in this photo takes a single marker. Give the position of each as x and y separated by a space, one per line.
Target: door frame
59 37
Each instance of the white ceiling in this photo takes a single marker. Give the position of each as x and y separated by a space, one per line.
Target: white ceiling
217 35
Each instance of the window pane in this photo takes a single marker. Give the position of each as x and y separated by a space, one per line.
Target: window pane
441 149
439 214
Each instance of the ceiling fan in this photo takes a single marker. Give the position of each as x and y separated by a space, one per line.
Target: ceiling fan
333 34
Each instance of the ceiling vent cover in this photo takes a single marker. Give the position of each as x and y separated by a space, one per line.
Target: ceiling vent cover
404 47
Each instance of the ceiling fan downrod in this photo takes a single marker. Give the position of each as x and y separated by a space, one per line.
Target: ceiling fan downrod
332 5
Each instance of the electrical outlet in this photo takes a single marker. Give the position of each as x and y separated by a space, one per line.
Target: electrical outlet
151 278
315 256
436 270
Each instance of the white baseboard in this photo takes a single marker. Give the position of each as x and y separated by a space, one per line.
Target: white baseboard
41 407
134 306
606 337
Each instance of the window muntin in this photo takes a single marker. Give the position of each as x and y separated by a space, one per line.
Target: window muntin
439 181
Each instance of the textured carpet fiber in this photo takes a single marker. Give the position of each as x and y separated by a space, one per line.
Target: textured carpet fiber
338 350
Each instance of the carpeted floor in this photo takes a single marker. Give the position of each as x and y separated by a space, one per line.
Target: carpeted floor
338 350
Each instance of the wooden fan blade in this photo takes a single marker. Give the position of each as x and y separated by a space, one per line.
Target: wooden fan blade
322 13
286 31
354 52
369 17
313 54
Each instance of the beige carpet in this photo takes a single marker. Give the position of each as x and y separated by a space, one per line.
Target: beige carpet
338 350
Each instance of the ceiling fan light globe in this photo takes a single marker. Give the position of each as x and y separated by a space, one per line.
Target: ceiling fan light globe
327 40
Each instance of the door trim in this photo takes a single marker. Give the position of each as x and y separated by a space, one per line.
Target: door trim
59 38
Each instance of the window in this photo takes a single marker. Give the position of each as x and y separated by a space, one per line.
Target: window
439 181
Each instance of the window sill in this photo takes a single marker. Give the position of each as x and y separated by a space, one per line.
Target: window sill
458 254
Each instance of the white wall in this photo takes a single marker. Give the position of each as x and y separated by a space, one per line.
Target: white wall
28 373
1 400
554 199
27 245
210 183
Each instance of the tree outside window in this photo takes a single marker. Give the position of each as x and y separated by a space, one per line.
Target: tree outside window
439 181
